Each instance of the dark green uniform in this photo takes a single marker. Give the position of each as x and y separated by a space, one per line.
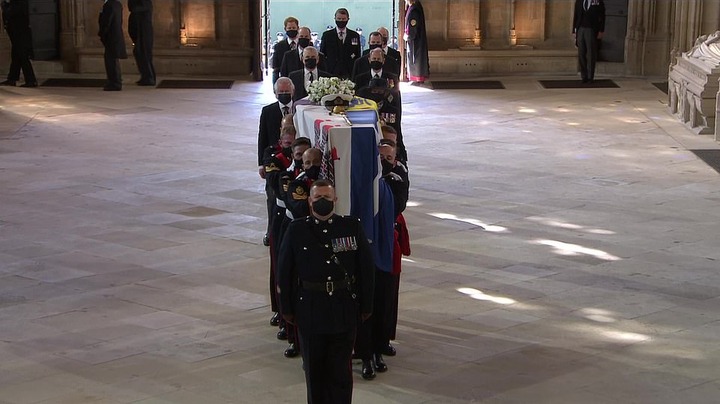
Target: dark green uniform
326 279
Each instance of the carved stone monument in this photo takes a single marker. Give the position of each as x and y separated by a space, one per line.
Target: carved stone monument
693 84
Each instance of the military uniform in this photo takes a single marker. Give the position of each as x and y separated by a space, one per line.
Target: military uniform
326 280
276 161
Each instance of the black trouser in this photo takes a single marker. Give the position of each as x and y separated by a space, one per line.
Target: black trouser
142 37
328 372
20 60
112 70
587 43
373 334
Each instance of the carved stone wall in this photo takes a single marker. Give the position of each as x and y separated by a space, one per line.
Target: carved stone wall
225 38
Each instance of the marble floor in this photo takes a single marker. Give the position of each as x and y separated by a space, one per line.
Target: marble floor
564 250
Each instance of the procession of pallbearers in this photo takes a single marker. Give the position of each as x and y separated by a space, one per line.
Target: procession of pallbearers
362 154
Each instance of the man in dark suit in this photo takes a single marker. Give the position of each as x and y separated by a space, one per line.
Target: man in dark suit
111 35
16 20
292 60
269 134
389 51
376 61
362 64
325 284
281 47
588 29
140 29
302 78
341 46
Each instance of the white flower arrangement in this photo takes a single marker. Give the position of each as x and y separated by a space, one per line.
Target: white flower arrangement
329 85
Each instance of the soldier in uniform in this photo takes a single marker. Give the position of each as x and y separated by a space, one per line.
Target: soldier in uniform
325 281
384 91
277 158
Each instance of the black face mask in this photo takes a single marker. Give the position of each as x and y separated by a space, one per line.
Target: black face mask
376 65
341 24
323 207
291 33
386 167
313 172
374 46
284 98
311 63
303 42
298 163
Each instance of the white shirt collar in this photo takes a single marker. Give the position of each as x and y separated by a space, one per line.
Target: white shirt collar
373 73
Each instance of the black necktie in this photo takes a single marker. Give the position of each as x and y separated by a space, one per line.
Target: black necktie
285 110
293 45
341 35
587 4
310 77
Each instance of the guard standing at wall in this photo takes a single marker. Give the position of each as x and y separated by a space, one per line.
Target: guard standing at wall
588 29
140 29
16 21
111 35
418 64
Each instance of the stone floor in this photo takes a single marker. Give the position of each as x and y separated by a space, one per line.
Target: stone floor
565 250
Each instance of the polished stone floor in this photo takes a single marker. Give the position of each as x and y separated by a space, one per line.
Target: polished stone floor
565 249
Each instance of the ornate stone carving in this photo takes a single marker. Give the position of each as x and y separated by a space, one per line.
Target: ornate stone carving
693 84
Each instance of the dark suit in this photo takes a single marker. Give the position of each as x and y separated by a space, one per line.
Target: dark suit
16 20
340 55
298 79
291 61
140 29
362 65
391 54
111 35
586 26
279 50
326 280
363 79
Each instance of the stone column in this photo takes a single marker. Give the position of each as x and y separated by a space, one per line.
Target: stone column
72 32
512 36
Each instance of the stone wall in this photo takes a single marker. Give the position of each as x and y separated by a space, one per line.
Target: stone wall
220 37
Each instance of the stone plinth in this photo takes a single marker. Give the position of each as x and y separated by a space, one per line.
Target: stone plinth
471 60
183 61
693 85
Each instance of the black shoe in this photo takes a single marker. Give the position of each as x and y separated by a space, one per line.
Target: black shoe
380 365
10 83
291 351
275 320
112 88
266 240
146 83
282 334
584 80
390 350
368 373
30 85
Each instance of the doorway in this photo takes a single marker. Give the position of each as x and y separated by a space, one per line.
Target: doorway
45 28
319 16
612 48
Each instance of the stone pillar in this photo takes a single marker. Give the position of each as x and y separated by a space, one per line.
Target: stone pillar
512 35
72 32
